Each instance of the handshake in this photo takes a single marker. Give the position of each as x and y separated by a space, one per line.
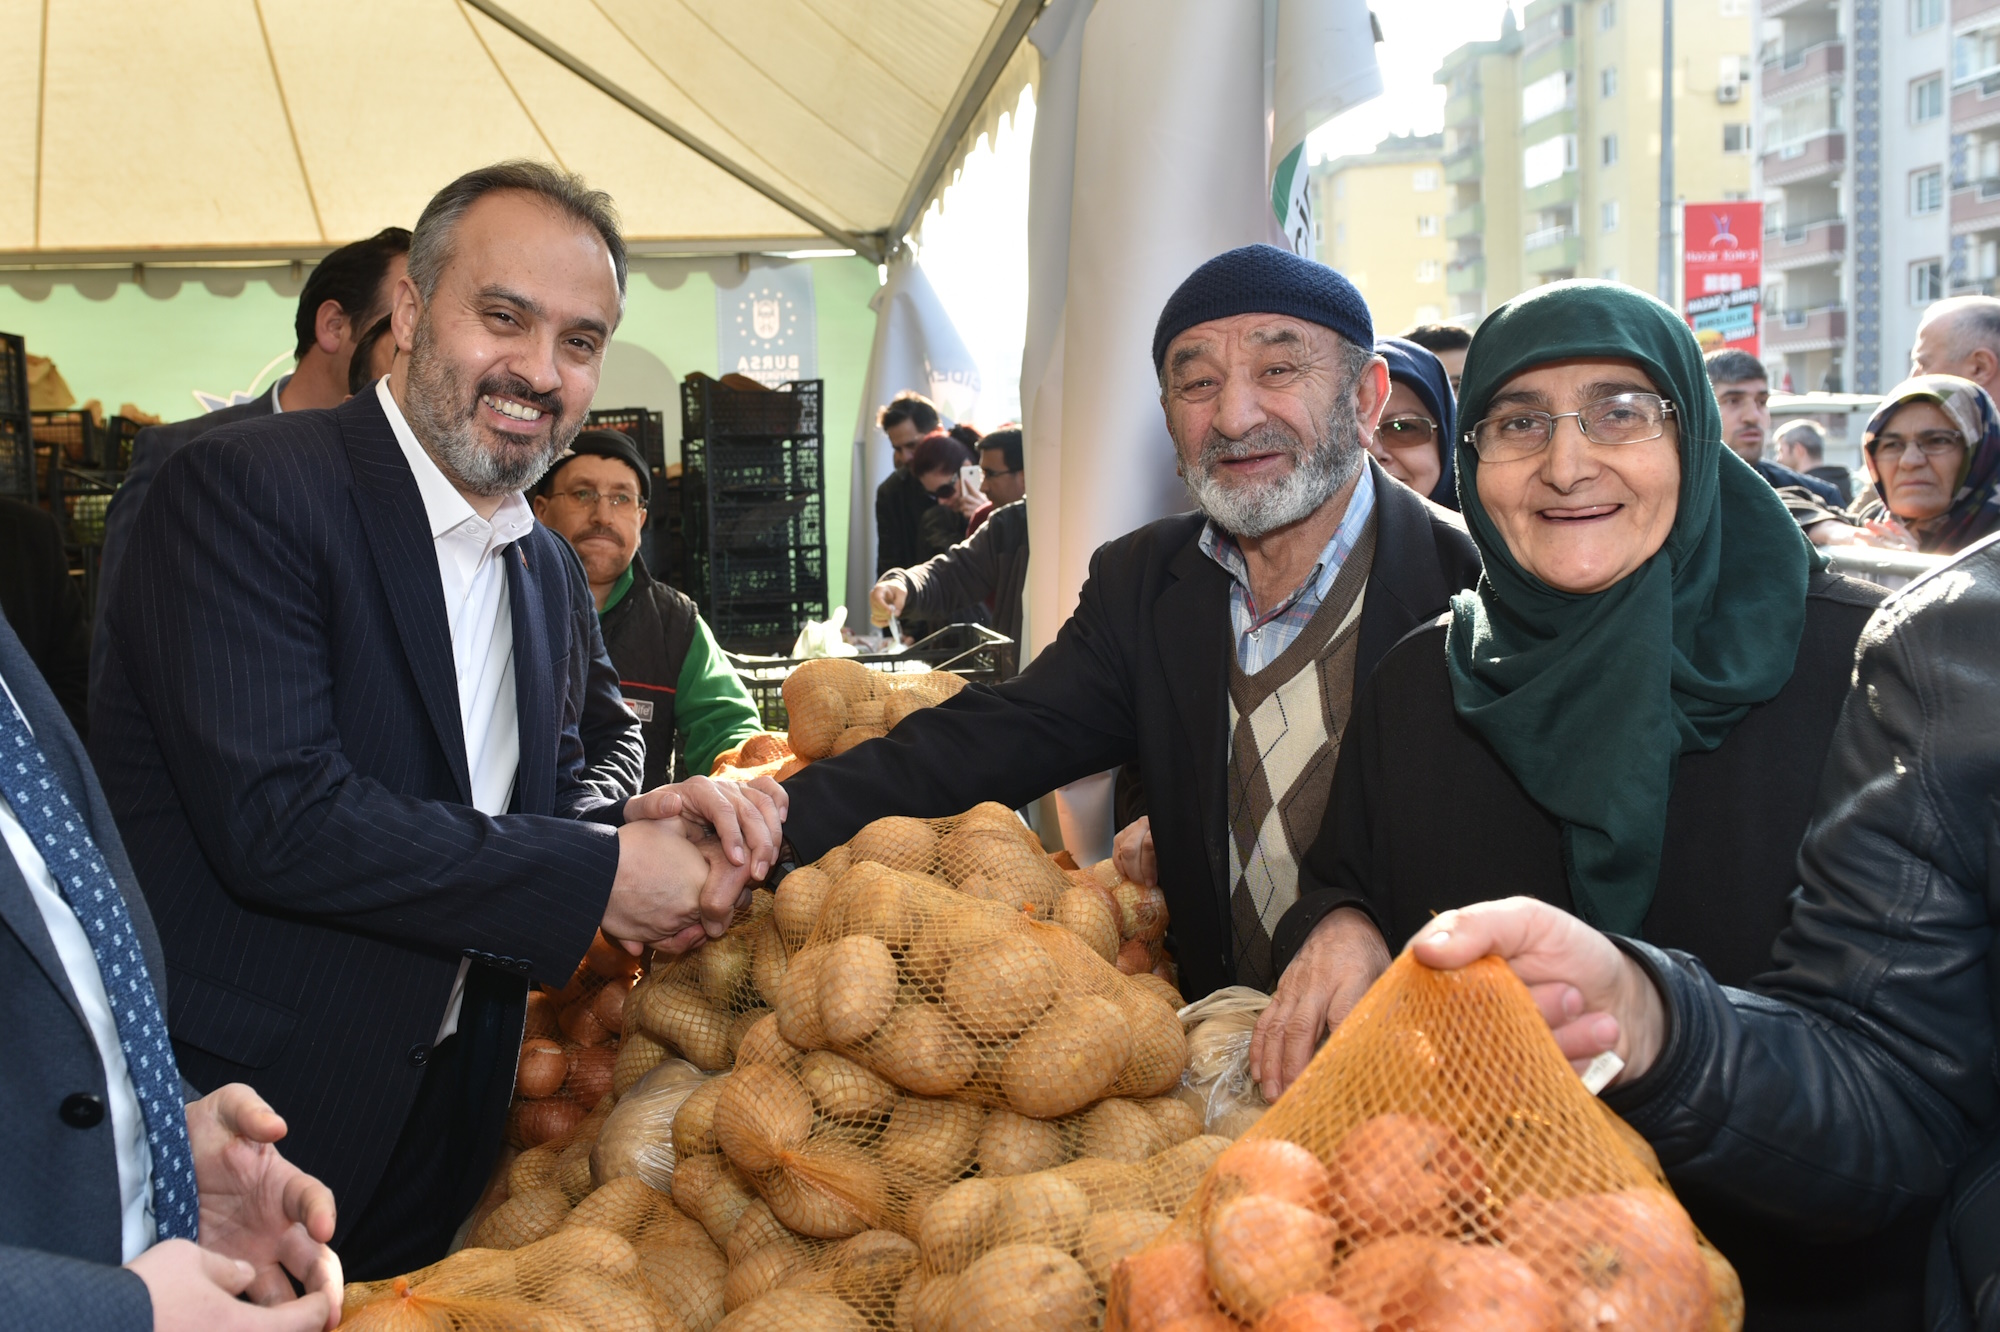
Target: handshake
687 856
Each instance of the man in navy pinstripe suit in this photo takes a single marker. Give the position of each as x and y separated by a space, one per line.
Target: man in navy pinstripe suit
341 727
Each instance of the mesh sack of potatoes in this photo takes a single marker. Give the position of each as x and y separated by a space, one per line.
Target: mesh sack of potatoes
945 993
699 1005
623 1260
1438 1166
570 1046
834 703
766 754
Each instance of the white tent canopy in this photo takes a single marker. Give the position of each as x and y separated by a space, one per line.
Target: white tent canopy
190 129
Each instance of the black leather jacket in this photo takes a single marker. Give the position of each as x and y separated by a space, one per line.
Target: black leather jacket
1859 1080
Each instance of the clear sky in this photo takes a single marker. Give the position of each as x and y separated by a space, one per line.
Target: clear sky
1416 37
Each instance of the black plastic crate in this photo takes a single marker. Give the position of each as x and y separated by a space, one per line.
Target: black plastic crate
763 626
980 654
76 434
738 576
17 460
115 444
791 523
710 410
648 430
13 377
748 467
79 499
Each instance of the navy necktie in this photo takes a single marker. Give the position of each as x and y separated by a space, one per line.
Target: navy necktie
58 831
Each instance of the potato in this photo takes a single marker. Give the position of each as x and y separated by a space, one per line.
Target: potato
723 966
622 1206
994 992
760 1041
1011 1144
1029 1287
762 1116
795 1311
480 1274
522 1219
827 1191
712 1191
1067 1059
1089 915
683 1019
816 717
1178 1121
768 959
801 894
932 1138
1119 1130
1111 1187
1043 1208
1110 1236
856 988
1400 1173
1159 1048
1174 1174
638 1054
694 1122
761 1270
843 1089
898 842
852 736
924 1303
599 1305
1159 987
1261 1249
875 900
956 1228
686 1280
920 1050
798 1001
532 1169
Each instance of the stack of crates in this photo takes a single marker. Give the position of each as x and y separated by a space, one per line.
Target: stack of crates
648 433
17 449
753 510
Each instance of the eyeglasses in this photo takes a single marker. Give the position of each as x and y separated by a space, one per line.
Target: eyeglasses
1624 418
587 499
945 492
990 473
1932 444
1406 432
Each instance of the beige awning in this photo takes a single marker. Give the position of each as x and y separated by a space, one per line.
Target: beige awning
154 130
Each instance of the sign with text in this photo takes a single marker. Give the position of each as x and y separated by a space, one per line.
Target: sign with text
765 326
1723 272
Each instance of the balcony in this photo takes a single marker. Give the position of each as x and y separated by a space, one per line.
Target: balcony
1464 275
1975 103
1771 9
1551 196
1820 154
1797 70
1964 11
1465 164
1552 248
1806 330
1802 244
1465 222
1463 108
1975 207
1547 60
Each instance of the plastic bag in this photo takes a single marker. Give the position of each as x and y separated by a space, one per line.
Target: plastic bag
1438 1161
1218 1071
822 638
637 1138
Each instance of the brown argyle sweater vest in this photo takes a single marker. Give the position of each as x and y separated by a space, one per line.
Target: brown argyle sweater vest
1285 724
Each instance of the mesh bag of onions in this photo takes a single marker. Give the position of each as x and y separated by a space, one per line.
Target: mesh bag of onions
1438 1166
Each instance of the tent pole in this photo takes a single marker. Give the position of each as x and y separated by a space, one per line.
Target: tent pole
870 244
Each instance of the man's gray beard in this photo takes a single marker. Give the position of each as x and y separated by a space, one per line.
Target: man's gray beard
1317 475
441 409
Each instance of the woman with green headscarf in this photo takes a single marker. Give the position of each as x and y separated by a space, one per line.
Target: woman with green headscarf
1626 717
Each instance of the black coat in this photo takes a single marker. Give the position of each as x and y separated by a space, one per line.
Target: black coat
648 634
43 604
1140 670
1425 817
279 738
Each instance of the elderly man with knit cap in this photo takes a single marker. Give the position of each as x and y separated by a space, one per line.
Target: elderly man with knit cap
1220 648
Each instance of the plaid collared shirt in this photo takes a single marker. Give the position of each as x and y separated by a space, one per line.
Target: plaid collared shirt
1263 635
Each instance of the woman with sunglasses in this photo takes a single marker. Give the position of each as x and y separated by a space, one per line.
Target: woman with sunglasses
1625 718
1933 452
1413 440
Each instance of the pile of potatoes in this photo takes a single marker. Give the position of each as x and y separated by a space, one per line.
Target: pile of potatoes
833 704
570 1048
766 754
1400 1230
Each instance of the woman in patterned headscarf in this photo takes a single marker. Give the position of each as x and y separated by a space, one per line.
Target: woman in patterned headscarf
1933 451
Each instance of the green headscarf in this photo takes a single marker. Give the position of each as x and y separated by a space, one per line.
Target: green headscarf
1591 699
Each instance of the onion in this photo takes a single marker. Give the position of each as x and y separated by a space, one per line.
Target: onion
590 1074
542 1069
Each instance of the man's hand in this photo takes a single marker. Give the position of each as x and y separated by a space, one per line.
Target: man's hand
1341 959
675 886
885 599
257 1206
1591 992
195 1290
748 818
1132 852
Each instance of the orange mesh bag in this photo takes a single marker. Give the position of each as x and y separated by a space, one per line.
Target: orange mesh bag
834 703
570 1046
766 754
1438 1166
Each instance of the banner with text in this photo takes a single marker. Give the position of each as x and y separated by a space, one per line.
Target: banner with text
1723 269
765 326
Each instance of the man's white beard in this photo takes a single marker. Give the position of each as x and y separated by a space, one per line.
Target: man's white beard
1317 475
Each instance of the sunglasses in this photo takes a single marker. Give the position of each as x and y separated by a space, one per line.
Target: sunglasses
944 492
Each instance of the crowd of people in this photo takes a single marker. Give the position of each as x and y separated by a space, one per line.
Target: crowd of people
385 711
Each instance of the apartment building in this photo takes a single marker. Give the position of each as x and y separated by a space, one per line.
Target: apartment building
1381 223
1555 131
1879 166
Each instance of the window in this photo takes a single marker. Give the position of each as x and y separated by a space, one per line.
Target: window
1607 15
1607 81
1427 224
1424 180
1925 14
1926 191
1607 215
1548 95
1732 8
1607 150
1548 160
1736 138
1926 281
1428 270
1926 99
1340 187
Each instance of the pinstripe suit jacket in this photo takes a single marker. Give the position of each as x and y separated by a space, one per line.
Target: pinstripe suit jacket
279 737
59 1214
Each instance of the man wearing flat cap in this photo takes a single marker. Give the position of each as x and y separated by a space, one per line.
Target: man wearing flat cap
1220 649
670 670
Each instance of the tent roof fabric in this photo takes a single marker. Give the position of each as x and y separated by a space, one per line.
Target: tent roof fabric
253 128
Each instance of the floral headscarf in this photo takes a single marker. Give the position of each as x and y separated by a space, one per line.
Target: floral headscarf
1975 501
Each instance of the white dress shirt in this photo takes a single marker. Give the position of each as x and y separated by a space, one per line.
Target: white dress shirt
128 1124
469 554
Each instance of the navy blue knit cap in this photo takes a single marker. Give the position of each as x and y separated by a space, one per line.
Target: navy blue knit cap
1425 374
1263 279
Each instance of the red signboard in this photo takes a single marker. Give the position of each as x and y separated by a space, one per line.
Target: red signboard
1723 267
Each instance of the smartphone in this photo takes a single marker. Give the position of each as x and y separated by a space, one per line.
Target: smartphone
970 477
